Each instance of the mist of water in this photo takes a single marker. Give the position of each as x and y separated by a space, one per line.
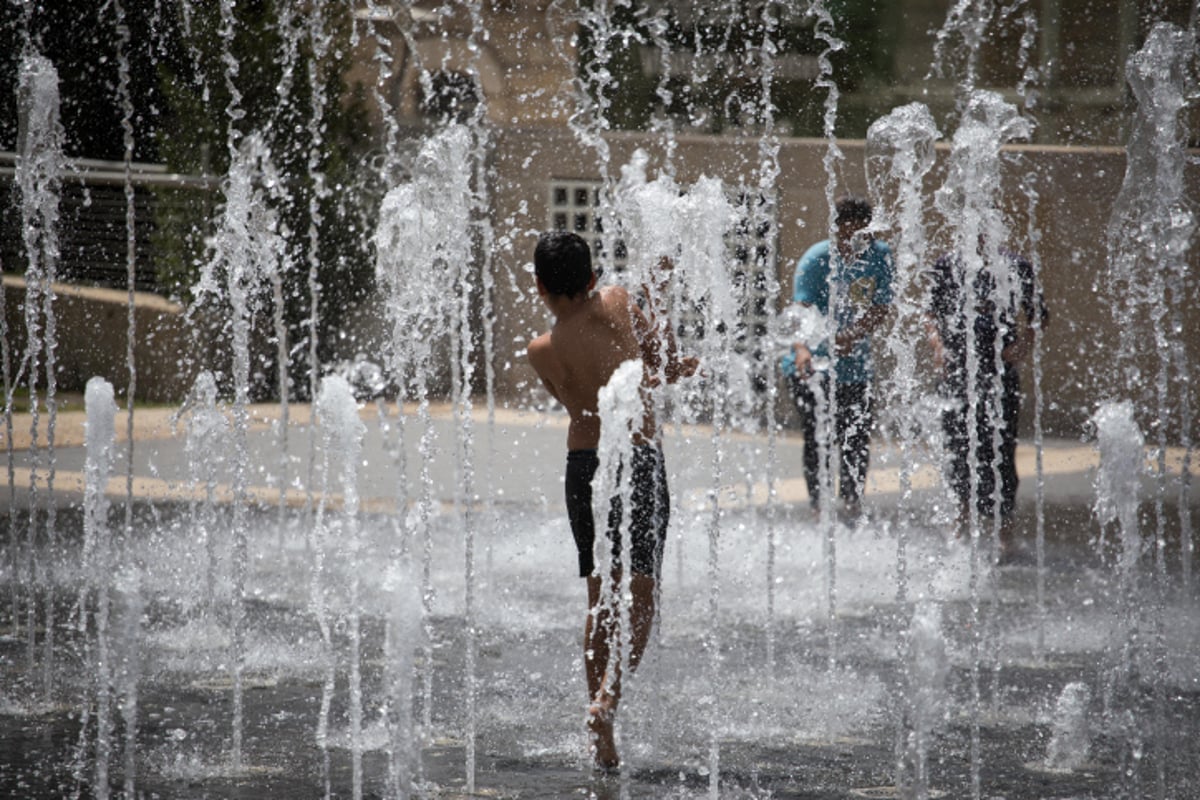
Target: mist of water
1070 739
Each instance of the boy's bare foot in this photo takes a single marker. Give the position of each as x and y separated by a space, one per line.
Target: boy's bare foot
600 732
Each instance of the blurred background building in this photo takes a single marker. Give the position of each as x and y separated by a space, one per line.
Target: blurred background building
561 95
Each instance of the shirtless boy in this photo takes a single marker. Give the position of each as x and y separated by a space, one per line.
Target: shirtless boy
595 332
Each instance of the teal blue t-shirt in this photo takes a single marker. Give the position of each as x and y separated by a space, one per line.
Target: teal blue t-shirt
864 282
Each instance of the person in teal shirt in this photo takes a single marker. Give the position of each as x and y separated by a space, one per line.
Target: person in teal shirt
861 286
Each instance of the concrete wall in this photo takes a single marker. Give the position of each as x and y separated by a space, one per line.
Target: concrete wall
1075 187
92 327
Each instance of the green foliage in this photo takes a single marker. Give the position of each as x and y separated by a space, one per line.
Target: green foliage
201 78
722 86
288 88
81 38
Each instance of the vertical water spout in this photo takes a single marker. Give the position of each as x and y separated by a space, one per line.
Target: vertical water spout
1153 223
9 387
128 608
762 219
39 169
469 292
1070 739
207 440
589 120
127 141
245 253
422 241
958 43
1121 448
342 438
319 40
970 198
924 703
98 564
1033 237
827 412
404 635
899 155
619 404
292 34
660 219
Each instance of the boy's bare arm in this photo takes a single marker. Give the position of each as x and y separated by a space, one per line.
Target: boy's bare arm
538 358
676 366
656 337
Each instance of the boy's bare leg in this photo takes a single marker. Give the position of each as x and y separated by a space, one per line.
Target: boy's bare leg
602 695
604 685
641 616
595 638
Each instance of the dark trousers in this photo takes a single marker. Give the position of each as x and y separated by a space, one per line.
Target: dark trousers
996 409
852 439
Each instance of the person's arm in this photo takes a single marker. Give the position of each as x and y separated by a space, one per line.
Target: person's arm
804 294
935 343
655 291
1032 303
538 353
657 339
863 327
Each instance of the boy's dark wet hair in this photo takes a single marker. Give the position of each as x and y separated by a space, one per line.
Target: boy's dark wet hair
852 208
562 261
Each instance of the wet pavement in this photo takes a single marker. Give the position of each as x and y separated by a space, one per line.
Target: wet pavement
797 695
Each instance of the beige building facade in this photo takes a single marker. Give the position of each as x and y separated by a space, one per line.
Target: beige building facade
1076 189
526 67
514 71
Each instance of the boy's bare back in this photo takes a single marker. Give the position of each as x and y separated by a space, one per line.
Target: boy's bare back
591 337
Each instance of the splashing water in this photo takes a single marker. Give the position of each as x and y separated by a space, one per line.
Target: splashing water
342 433
246 252
924 696
899 155
100 562
39 174
1070 740
1118 479
431 229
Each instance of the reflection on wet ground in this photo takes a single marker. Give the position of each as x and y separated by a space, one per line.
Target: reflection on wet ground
802 709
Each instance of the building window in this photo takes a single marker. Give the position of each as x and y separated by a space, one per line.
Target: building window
574 205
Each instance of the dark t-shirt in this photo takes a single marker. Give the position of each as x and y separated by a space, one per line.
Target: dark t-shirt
1004 287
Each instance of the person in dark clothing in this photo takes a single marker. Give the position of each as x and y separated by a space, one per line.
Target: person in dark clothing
979 338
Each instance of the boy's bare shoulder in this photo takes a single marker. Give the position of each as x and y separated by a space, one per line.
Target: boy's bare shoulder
539 349
615 295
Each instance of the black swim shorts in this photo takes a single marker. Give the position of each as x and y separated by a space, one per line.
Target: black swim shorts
649 514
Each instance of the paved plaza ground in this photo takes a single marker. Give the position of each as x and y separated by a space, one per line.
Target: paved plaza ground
796 703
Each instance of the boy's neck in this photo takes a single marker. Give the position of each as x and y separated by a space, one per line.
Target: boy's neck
564 307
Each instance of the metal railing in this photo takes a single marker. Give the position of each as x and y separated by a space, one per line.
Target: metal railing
92 219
